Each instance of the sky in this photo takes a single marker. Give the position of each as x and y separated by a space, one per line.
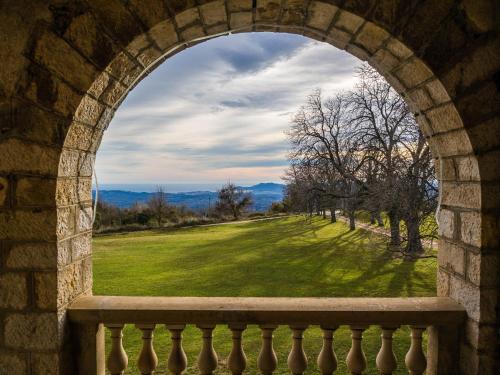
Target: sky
218 111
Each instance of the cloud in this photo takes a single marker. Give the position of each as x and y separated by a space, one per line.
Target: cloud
218 111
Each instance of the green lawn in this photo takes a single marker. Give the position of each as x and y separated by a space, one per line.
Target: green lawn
290 257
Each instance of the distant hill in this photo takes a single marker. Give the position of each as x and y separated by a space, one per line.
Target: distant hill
264 195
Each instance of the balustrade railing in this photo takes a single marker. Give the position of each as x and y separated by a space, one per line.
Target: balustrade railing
89 314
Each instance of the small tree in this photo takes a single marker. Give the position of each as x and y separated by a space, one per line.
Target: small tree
158 205
232 200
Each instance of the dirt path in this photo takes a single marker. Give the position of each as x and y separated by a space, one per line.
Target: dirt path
381 230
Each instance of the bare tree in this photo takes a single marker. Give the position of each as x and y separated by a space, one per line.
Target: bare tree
233 200
158 205
364 149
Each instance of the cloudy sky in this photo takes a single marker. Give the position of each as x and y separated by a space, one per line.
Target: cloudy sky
218 111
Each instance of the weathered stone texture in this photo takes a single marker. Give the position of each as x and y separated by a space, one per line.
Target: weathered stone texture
32 255
12 363
321 15
13 291
31 331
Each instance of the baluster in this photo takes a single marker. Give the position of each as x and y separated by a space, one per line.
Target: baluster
177 359
117 360
327 360
386 359
267 360
207 359
148 360
356 359
237 361
415 358
297 359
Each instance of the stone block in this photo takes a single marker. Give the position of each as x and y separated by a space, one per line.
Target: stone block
59 57
358 52
371 37
63 253
267 10
339 38
74 190
188 17
191 33
164 35
446 223
444 118
213 13
89 111
294 13
482 270
148 57
87 274
466 195
34 191
321 15
81 246
420 100
451 257
217 29
46 290
12 363
467 295
437 92
66 223
348 22
29 158
398 49
156 11
470 228
413 73
122 66
85 217
69 283
114 93
79 136
45 363
85 34
443 283
384 60
30 225
13 291
455 143
239 5
32 331
32 255
240 19
448 171
467 168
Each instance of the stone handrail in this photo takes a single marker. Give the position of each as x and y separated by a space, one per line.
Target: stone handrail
90 314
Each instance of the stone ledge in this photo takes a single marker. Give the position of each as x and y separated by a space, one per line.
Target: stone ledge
223 310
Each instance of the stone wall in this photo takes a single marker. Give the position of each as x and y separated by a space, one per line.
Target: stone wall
67 65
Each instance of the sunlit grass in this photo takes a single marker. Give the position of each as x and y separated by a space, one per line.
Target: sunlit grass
291 257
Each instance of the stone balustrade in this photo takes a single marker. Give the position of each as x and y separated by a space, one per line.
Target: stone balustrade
91 314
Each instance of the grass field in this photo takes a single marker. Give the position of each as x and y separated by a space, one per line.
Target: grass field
290 257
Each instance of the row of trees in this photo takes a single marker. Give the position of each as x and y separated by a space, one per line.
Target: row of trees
232 202
363 150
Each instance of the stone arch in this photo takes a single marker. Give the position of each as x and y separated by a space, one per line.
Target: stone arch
80 59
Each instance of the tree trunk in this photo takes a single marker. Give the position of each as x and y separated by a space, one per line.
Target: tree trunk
372 218
394 224
378 217
414 245
333 218
352 220
324 214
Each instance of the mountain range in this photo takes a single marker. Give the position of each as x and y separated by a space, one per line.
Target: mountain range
264 194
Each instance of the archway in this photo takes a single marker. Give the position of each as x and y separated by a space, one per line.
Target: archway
83 58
